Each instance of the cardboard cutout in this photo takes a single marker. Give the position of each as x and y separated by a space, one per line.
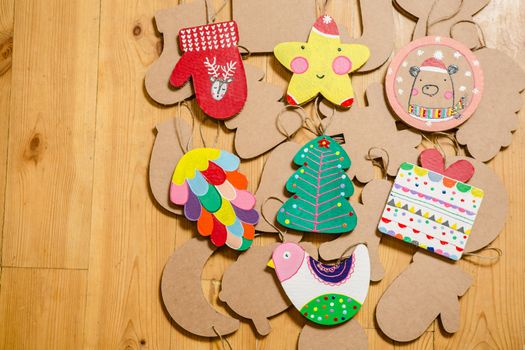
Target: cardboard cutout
490 127
431 210
206 182
370 129
373 197
182 291
321 65
428 288
434 283
277 170
165 155
257 129
439 16
252 291
324 294
348 336
434 83
213 62
169 21
320 189
264 24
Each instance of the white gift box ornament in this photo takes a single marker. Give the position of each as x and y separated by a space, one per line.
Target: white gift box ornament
431 210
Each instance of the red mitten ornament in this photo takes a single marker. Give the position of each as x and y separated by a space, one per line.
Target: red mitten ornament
212 59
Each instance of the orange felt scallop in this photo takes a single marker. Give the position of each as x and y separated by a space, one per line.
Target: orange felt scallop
249 231
237 179
205 223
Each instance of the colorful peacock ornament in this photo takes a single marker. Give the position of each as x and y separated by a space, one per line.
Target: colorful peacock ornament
213 192
321 189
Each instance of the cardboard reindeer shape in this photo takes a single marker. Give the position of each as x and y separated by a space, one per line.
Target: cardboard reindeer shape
431 285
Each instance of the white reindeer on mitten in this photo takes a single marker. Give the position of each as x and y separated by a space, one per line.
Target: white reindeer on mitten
219 84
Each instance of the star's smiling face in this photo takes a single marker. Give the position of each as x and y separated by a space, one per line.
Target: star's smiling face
321 65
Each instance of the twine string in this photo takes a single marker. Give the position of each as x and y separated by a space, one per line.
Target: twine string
185 148
281 233
481 34
216 138
278 123
383 164
246 54
223 339
497 257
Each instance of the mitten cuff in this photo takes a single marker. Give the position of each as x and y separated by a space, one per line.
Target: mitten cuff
209 37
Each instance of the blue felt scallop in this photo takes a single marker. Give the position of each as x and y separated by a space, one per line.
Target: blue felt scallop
236 228
198 184
228 161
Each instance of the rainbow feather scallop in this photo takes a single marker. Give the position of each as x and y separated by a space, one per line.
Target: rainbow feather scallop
206 182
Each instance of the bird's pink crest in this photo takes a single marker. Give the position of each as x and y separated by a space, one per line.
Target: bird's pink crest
287 258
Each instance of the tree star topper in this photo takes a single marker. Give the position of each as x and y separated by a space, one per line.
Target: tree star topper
321 65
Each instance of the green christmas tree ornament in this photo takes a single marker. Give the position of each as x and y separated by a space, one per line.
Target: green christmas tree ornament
321 189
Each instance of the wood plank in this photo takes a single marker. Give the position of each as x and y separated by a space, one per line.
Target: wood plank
131 237
42 309
6 55
425 342
51 134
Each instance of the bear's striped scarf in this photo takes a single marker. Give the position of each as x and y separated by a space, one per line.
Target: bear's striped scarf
436 113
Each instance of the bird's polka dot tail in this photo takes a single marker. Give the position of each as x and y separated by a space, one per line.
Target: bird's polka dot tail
330 309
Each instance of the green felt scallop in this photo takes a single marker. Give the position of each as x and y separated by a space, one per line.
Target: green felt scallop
211 200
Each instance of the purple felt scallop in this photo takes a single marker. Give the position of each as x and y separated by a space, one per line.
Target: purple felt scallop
192 208
247 216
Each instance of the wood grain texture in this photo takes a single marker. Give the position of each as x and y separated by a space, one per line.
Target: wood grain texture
6 55
42 308
51 134
131 238
76 129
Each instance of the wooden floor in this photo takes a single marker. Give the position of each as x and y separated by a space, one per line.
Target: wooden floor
83 245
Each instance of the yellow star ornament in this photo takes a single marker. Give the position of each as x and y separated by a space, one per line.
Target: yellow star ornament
321 65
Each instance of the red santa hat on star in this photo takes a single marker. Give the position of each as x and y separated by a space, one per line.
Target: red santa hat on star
326 26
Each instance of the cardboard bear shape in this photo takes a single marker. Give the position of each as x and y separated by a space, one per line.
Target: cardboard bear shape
348 336
182 291
252 291
256 127
490 127
441 15
434 283
277 169
169 21
428 288
165 155
372 127
373 197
